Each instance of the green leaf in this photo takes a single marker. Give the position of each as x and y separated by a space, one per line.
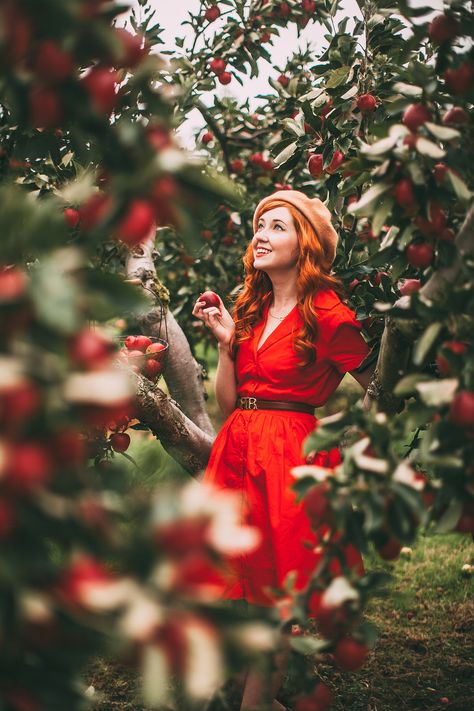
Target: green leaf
365 204
425 342
379 147
438 392
428 148
408 89
459 187
407 385
337 77
450 517
444 133
308 645
285 154
381 214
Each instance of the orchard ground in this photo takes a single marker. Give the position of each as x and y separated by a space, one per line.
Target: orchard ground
424 656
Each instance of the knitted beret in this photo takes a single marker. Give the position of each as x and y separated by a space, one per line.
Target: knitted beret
315 212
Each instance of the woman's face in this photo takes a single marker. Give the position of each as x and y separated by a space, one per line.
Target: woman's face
275 243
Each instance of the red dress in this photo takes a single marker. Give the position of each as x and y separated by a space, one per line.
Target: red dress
255 450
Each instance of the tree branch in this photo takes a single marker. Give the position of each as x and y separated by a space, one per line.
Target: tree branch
399 334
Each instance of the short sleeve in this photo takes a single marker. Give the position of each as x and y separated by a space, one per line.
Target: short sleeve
347 347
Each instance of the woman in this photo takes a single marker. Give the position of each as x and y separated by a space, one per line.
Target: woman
282 352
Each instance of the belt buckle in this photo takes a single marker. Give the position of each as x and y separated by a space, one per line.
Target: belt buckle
248 403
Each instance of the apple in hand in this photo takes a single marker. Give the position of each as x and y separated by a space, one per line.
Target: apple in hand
210 299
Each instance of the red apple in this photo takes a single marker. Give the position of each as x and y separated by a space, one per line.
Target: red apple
156 348
95 211
28 467
237 165
210 298
152 368
409 286
72 217
130 342
256 159
13 284
457 348
89 349
315 165
68 446
132 47
322 695
461 410
19 403
461 79
455 116
225 78
217 65
308 6
337 160
415 116
51 63
420 254
442 28
448 235
440 171
207 235
317 505
283 80
142 343
207 137
137 223
76 578
120 441
350 654
366 103
101 85
390 550
437 217
284 9
212 13
404 194
158 137
45 107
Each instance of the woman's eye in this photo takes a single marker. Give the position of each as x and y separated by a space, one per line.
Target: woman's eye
279 227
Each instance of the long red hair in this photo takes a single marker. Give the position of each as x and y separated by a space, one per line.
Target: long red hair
313 276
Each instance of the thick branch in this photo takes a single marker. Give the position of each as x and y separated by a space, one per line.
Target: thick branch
183 375
182 439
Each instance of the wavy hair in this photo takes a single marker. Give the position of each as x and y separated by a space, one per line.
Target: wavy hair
313 275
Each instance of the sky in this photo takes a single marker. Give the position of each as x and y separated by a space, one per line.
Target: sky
171 13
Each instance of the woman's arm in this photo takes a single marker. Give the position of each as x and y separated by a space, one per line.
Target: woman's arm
225 385
220 322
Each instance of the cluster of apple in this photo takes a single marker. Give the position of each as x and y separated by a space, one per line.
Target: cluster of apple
145 355
52 66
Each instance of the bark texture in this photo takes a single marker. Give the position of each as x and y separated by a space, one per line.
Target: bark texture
185 431
180 436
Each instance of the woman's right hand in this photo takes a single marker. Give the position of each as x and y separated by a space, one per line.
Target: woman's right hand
217 319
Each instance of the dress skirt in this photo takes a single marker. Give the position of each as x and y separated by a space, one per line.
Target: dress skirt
253 455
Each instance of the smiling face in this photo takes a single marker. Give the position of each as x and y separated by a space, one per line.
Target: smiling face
275 243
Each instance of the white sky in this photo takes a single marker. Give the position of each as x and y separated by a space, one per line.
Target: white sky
170 14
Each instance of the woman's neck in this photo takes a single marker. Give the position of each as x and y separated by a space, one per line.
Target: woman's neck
284 294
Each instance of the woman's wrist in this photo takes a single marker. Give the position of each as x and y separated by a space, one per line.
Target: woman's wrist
223 347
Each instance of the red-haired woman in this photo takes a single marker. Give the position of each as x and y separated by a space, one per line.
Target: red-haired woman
282 353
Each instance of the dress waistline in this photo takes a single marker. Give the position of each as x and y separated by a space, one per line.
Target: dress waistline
244 402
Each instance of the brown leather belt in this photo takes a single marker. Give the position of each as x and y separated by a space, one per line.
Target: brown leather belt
252 403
